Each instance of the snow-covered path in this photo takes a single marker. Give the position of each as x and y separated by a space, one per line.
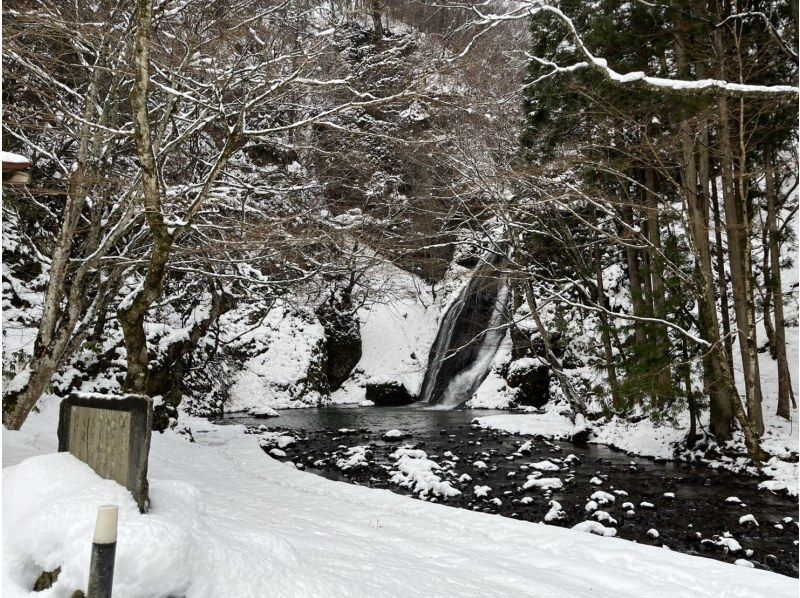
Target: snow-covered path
229 521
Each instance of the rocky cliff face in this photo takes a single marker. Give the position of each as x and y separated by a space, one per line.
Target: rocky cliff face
342 340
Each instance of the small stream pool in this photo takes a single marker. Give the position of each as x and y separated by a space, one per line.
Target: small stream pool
690 511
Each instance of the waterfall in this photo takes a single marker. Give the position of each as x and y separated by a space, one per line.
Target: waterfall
468 338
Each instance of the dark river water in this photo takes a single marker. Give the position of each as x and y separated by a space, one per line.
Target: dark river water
696 519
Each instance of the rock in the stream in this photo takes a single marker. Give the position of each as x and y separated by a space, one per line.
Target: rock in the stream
388 394
262 412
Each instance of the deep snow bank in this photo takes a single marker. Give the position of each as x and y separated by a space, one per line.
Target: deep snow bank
229 521
550 424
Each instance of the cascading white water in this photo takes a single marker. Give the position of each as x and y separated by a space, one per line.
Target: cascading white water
464 384
468 338
440 346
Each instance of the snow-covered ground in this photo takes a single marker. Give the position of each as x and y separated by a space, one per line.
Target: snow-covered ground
226 520
648 439
275 377
397 331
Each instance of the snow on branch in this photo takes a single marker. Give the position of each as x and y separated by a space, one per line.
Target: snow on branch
532 8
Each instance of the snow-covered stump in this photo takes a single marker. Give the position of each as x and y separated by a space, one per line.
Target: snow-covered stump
111 434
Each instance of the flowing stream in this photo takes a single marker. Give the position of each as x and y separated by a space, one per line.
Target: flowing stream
689 507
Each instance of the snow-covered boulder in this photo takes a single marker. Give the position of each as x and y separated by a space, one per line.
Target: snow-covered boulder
593 527
285 365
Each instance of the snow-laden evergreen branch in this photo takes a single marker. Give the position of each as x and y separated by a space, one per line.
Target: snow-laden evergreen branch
636 79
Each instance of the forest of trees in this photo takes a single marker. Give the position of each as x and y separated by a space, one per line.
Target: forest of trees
190 156
691 188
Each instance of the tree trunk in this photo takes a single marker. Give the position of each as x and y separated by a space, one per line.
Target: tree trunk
722 279
661 336
686 375
377 25
608 350
738 244
635 279
766 292
775 288
721 413
131 312
50 343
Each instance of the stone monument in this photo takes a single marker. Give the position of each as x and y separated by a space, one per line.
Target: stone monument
111 434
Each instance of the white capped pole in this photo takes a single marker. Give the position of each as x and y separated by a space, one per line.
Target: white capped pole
104 547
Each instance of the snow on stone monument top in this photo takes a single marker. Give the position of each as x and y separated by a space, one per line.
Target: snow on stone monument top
11 158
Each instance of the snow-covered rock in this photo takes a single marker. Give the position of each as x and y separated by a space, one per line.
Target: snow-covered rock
545 466
748 520
603 498
554 513
482 491
418 473
543 483
593 527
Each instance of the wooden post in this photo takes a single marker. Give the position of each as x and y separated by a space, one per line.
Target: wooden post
104 548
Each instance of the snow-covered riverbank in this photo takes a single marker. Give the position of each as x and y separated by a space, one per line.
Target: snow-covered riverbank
646 439
228 521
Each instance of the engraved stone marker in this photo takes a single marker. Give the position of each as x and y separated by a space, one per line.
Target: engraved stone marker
112 435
